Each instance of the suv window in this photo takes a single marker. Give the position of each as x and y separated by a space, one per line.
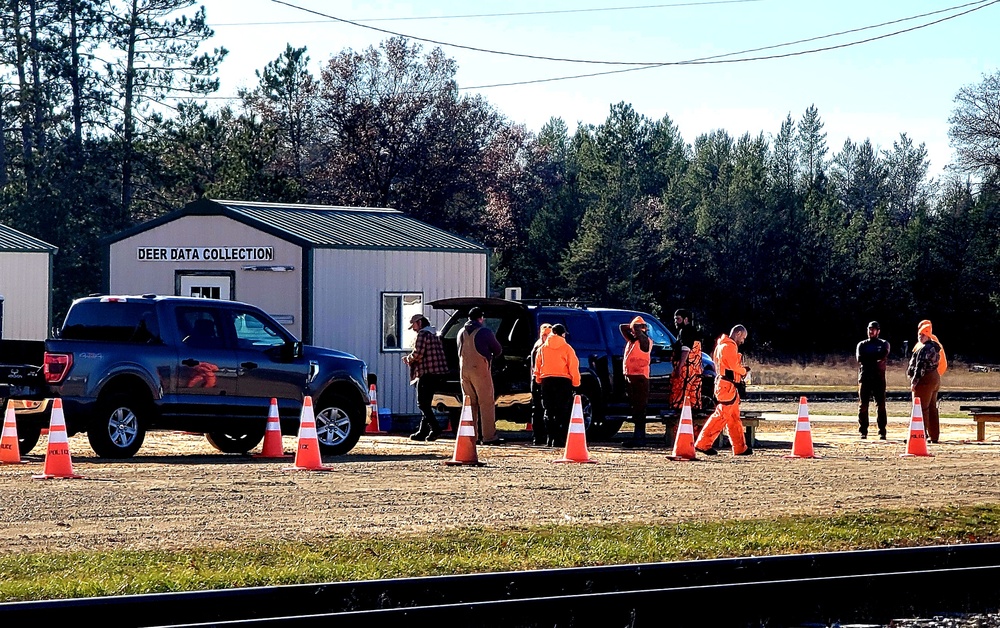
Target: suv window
124 321
659 334
581 329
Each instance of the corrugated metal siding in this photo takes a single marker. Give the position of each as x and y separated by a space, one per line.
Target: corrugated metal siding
24 284
347 304
12 240
273 292
352 227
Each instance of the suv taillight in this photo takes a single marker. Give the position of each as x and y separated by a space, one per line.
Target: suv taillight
56 366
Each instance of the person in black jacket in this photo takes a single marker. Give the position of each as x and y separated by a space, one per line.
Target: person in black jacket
871 355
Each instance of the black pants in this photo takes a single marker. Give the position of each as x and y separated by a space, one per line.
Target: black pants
537 414
638 396
426 384
868 390
557 399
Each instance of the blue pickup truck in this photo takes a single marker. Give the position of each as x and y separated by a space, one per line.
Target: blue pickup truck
595 336
124 365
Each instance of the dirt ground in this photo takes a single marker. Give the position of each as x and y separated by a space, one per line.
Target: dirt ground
179 492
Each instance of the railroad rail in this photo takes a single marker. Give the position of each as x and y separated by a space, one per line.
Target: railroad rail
867 585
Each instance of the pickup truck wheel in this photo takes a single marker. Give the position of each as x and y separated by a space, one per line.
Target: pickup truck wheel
339 425
27 437
236 442
118 427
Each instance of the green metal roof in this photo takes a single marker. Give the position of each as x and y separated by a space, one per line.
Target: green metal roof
13 241
325 226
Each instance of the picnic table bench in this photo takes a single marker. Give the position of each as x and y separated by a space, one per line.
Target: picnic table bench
982 415
751 421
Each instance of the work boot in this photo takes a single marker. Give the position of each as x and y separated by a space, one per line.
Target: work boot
419 436
746 452
711 451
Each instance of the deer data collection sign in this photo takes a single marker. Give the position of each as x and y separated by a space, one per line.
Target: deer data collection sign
205 254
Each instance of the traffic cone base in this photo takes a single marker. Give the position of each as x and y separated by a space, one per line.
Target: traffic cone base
307 454
10 451
465 440
58 463
273 446
576 437
916 444
802 446
684 441
373 428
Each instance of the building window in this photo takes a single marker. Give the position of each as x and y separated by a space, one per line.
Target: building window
397 308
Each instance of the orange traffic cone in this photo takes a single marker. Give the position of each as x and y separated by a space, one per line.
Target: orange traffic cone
802 446
576 438
465 440
273 447
684 441
10 453
307 457
916 444
373 427
58 464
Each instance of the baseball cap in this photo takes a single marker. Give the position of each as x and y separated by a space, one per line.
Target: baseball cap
873 325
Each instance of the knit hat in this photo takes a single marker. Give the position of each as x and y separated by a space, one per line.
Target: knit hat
925 328
636 322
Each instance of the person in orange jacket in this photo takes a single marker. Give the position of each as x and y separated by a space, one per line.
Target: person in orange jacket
730 372
557 369
636 367
539 435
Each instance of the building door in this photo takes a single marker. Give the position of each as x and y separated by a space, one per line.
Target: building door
207 285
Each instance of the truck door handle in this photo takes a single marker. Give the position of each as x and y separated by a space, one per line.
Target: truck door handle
249 365
190 362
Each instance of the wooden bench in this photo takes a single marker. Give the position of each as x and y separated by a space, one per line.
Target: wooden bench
982 415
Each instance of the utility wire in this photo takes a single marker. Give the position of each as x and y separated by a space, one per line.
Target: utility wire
718 59
714 60
599 62
513 14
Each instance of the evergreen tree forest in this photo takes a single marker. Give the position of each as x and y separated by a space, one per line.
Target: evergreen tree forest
106 123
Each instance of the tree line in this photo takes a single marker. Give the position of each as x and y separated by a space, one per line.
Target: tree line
802 242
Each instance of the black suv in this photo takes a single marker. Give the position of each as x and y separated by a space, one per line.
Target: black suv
595 336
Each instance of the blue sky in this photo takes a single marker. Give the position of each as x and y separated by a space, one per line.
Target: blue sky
876 90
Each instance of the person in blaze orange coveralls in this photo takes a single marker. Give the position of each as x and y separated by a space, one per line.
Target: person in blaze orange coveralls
730 373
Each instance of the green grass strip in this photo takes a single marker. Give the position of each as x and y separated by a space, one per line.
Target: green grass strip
82 574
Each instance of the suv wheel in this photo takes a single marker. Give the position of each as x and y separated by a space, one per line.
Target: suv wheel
339 424
27 437
598 426
119 426
236 441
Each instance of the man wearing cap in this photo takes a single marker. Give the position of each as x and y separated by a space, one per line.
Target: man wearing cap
871 355
477 347
428 366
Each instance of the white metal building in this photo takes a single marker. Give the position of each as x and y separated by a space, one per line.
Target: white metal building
347 278
25 285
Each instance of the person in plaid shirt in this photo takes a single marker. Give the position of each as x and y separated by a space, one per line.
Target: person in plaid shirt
427 367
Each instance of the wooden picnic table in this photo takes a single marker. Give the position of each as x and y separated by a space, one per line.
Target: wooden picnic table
982 415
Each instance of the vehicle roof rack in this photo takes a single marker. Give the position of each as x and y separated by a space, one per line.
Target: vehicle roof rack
558 302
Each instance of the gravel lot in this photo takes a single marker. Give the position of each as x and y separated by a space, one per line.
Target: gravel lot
179 492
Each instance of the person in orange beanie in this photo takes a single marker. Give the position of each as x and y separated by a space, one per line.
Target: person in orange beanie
730 376
925 380
558 371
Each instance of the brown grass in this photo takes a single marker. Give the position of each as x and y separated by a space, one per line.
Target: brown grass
841 373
